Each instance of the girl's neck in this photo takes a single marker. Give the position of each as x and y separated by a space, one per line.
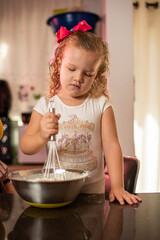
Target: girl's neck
72 101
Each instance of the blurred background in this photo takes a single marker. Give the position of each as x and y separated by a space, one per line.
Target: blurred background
131 29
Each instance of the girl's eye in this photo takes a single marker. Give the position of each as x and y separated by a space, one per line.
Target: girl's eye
88 74
71 69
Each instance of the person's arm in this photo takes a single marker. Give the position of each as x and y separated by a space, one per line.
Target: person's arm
3 171
4 181
114 160
39 129
8 186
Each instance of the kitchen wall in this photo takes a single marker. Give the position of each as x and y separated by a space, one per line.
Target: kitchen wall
121 83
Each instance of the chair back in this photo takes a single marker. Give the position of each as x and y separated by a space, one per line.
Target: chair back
131 170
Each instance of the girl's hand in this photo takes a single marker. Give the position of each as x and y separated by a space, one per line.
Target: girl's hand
123 196
49 125
3 171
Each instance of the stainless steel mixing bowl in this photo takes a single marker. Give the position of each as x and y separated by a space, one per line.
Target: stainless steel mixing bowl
47 194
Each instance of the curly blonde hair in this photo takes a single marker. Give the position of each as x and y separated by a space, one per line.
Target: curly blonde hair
89 42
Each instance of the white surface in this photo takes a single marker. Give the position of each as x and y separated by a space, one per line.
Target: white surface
119 37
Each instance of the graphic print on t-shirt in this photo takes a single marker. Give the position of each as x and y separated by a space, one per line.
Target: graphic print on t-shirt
74 145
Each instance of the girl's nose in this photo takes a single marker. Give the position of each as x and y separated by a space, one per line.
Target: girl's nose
79 77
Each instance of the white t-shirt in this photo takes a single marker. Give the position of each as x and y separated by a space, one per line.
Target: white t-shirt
79 138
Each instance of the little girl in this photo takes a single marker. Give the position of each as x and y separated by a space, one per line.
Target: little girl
84 119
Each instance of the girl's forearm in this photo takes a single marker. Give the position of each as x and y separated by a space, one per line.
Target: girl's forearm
32 144
114 160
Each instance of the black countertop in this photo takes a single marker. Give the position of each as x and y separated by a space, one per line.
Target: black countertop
88 217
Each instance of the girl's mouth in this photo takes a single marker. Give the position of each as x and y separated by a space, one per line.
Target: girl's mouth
75 86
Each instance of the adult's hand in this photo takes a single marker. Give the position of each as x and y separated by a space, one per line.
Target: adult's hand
3 171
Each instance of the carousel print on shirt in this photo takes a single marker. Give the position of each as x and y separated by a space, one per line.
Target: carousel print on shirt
74 145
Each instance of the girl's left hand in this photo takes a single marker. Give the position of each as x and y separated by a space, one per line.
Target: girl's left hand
123 196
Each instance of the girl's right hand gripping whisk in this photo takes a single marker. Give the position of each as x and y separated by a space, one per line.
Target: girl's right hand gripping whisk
49 167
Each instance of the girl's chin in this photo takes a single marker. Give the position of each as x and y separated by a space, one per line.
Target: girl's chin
77 96
73 94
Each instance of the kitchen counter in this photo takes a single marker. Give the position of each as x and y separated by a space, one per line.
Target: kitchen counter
88 217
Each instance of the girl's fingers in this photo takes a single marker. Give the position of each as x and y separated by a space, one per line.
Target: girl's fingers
52 126
124 197
111 197
51 122
132 199
121 200
58 116
136 198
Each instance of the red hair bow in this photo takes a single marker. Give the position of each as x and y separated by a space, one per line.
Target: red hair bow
63 32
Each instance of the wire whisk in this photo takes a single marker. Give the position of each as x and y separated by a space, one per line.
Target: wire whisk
49 167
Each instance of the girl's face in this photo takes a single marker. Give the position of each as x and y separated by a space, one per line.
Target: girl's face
78 72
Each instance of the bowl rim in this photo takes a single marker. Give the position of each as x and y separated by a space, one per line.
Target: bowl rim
39 170
74 13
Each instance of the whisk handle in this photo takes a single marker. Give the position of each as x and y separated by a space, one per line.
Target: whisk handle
52 137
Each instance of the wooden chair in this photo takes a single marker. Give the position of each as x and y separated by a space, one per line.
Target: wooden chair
131 170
